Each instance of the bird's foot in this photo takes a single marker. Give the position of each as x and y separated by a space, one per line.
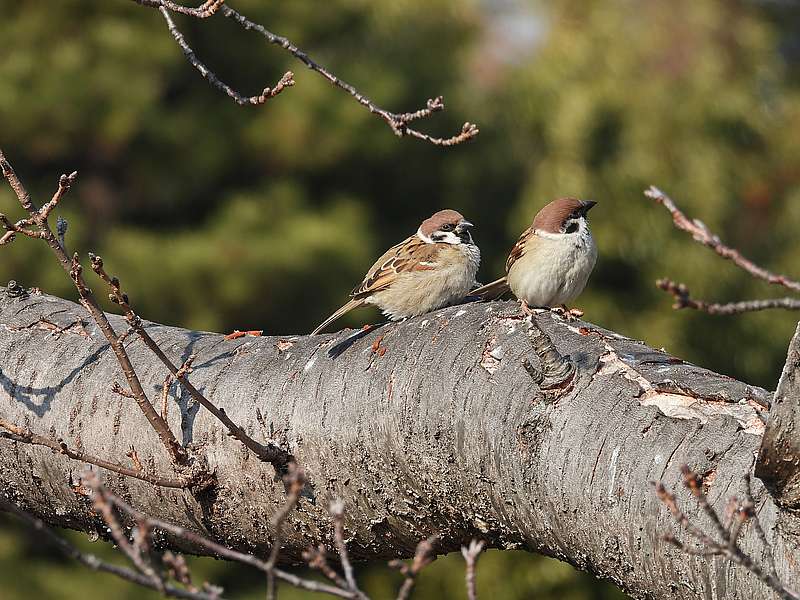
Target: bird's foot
236 334
568 314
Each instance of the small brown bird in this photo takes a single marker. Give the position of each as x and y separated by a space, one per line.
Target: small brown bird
433 268
553 258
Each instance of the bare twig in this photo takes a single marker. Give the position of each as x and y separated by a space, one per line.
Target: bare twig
38 217
294 481
95 563
742 512
701 233
471 554
284 82
683 299
279 458
337 512
205 10
26 436
398 122
92 481
317 559
423 556
102 504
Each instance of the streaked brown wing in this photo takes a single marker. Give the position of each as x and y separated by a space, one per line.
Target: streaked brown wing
519 248
412 254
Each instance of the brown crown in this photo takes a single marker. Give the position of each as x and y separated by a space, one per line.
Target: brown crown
551 218
443 217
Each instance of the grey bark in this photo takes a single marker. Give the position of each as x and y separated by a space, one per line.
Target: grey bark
445 433
779 459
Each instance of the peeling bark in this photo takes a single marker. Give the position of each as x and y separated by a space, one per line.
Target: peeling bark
779 459
443 432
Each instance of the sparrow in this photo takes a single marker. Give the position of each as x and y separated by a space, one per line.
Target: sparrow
552 260
433 268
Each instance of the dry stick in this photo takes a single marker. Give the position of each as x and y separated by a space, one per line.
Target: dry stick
26 436
729 548
423 556
683 299
294 482
103 506
279 458
95 563
93 482
73 268
317 559
397 122
205 10
701 233
337 512
268 93
471 554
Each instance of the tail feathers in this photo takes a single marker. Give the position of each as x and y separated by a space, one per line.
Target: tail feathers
491 291
341 312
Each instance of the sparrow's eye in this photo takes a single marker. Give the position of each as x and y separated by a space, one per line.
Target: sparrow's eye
572 227
448 227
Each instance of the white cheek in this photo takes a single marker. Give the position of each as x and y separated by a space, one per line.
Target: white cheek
451 238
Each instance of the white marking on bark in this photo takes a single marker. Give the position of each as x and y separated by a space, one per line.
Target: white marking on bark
681 406
612 468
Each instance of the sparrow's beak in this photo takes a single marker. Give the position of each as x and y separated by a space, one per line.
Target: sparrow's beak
462 230
587 205
463 226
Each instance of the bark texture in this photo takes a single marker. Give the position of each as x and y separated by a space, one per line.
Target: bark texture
779 460
442 432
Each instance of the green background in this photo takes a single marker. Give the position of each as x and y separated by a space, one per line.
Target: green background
222 217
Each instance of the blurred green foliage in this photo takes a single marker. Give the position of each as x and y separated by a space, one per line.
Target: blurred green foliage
217 216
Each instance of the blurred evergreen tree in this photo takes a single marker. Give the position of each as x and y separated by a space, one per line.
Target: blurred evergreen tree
218 217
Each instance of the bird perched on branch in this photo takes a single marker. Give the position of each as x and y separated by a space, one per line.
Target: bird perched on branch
433 268
552 260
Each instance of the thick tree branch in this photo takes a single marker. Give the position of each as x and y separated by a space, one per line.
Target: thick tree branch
428 439
778 463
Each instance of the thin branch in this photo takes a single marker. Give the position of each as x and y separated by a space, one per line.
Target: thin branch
337 512
73 267
92 481
268 93
294 481
280 459
471 554
423 556
26 436
729 546
683 299
701 233
102 504
397 122
95 563
205 10
317 559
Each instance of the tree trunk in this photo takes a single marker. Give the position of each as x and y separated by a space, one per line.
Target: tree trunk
779 460
442 432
